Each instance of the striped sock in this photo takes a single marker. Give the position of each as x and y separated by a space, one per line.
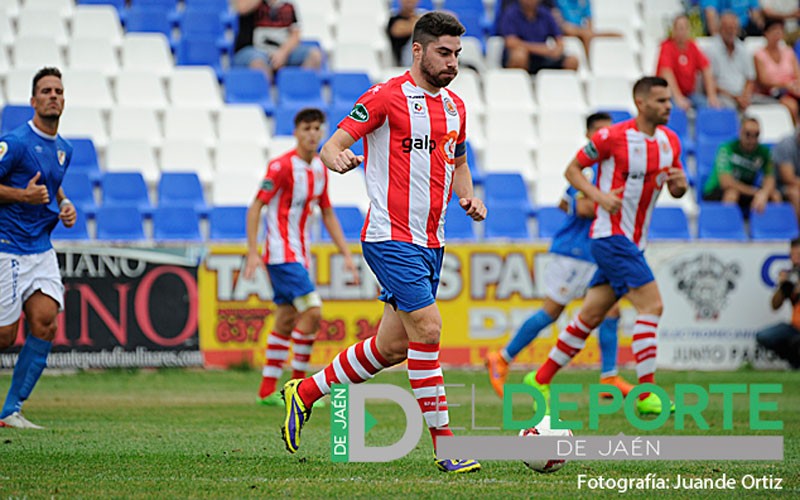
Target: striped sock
427 382
356 364
301 345
570 342
276 354
644 348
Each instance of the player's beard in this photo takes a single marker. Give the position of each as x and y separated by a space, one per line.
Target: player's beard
442 79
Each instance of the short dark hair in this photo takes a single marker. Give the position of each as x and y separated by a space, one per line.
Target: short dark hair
644 84
750 118
596 117
308 115
770 22
46 71
432 25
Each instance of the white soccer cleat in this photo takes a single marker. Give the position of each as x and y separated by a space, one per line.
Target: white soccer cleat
17 421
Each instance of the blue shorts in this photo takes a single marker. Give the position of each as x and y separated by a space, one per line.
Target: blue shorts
620 264
246 55
408 273
289 281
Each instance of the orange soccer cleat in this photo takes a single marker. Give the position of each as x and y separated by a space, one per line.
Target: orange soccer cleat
498 371
618 382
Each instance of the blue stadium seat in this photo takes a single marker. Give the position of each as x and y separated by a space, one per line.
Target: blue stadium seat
126 189
182 189
550 220
245 85
175 223
423 4
284 119
474 166
221 7
679 123
475 25
13 116
669 223
617 115
78 187
227 223
336 113
119 223
346 88
300 88
198 51
351 220
508 221
80 231
777 222
719 124
117 4
84 158
718 221
506 188
706 155
148 19
199 22
457 225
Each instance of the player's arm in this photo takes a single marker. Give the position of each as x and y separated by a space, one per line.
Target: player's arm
33 193
253 256
336 153
676 175
66 210
335 230
609 201
464 189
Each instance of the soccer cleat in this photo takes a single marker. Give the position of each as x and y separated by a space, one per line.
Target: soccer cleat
457 466
273 399
651 405
618 382
498 371
17 421
296 415
530 379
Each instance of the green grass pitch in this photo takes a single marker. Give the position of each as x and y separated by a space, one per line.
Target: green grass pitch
199 434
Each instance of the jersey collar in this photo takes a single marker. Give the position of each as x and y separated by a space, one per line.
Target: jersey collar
40 133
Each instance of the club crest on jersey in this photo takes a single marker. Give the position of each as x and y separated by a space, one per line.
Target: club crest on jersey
359 113
418 108
62 157
450 107
267 185
590 150
3 149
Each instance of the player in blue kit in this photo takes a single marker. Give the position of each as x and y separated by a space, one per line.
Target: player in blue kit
33 160
566 278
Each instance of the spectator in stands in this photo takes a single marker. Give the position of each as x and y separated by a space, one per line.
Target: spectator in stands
786 11
786 157
732 65
777 71
400 28
574 17
751 17
527 28
678 63
737 167
269 37
784 338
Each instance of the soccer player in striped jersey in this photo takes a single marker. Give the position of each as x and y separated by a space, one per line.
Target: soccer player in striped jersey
566 278
295 182
415 157
636 159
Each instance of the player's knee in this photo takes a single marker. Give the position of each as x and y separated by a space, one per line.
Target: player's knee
655 307
43 328
312 318
394 351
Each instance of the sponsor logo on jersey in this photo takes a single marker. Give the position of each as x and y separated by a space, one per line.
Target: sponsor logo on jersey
359 113
62 157
3 149
450 107
425 142
418 108
267 184
591 151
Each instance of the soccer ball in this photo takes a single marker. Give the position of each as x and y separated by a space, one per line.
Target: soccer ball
543 429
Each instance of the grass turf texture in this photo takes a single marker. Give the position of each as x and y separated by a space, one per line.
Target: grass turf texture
197 434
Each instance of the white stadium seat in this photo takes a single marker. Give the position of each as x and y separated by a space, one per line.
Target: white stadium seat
554 125
235 188
11 8
35 52
504 125
136 124
194 87
132 156
509 89
78 121
471 54
178 155
611 93
244 122
147 52
348 189
136 88
467 86
775 121
6 33
41 23
236 156
356 57
552 159
189 124
559 89
97 21
613 57
510 156
92 54
88 89
65 8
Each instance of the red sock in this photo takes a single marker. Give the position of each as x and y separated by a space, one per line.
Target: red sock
570 342
302 344
427 382
275 355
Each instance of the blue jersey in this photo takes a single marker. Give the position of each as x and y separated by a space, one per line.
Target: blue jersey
572 238
25 228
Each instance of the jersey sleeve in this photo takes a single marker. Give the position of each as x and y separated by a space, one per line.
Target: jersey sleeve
324 199
368 113
597 149
9 152
273 181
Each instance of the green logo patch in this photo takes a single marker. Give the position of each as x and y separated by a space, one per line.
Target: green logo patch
267 185
359 113
591 151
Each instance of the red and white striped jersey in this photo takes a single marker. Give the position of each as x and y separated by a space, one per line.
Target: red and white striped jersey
290 189
638 163
411 140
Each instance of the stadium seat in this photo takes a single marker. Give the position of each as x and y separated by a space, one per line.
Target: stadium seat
348 57
284 120
137 124
349 189
91 54
88 89
78 232
97 21
668 223
679 123
132 156
561 125
141 89
618 115
299 87
574 47
506 125
457 224
221 7
235 188
175 223
706 155
316 27
148 19
468 87
719 124
202 23
474 165
7 37
471 57
560 90
352 221
719 221
506 189
510 156
33 53
119 223
248 86
18 86
550 183
244 123
78 121
189 124
777 222
117 4
610 92
126 189
40 23
146 52
182 189
181 155
228 223
346 88
775 120
78 188
613 57
198 51
194 87
13 116
549 221
509 89
241 157
422 4
84 158
507 221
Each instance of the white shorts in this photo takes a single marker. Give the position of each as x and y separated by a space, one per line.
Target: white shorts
566 279
21 276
